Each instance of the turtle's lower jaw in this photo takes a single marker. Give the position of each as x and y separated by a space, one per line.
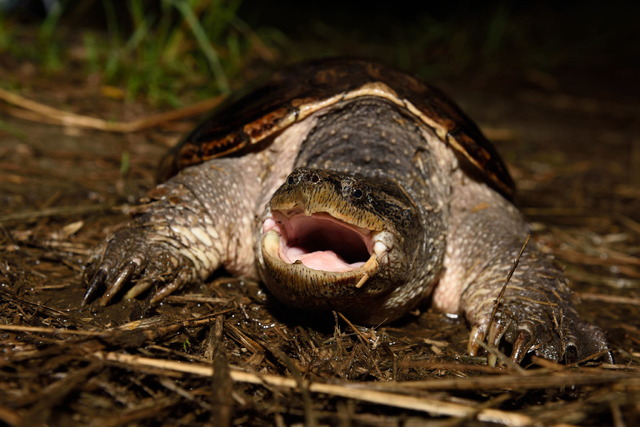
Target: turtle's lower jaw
318 261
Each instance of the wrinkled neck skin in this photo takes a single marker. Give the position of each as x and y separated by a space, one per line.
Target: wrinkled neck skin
360 222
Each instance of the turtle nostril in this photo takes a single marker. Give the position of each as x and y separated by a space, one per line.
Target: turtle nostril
291 180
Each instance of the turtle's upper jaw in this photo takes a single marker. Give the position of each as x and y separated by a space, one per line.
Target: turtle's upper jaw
330 240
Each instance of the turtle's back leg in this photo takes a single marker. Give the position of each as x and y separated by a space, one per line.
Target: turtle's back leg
186 228
535 312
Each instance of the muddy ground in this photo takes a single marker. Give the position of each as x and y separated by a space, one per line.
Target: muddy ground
571 143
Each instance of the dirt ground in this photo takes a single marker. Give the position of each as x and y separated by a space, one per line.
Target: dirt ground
571 142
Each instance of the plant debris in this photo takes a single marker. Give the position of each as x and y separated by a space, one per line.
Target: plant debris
224 353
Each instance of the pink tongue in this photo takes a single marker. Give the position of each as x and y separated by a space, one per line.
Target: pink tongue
321 260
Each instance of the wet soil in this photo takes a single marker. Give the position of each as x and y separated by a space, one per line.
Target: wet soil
574 153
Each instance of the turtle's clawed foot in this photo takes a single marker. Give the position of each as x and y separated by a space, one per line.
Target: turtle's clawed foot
130 262
522 327
110 278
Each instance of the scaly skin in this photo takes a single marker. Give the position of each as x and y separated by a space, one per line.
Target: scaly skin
535 313
184 232
464 235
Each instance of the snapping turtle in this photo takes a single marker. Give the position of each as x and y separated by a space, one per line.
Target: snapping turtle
349 186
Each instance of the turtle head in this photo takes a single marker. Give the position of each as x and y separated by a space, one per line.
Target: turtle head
337 241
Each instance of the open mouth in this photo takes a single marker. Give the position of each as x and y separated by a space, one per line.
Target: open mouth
321 242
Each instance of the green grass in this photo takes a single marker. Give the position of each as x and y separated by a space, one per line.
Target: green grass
182 45
158 50
174 51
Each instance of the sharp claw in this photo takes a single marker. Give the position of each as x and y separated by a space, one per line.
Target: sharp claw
475 339
608 358
524 341
159 295
496 331
139 288
164 292
96 285
570 354
521 346
116 285
173 285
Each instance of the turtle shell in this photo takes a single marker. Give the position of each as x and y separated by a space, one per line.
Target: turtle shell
299 91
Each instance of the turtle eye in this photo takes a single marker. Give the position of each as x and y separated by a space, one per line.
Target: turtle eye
315 178
357 193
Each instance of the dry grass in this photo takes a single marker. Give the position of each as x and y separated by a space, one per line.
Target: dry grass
222 353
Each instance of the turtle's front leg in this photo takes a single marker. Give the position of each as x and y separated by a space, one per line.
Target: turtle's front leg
535 312
186 229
